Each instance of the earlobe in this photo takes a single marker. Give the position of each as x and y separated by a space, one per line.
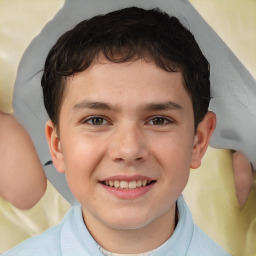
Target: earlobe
54 145
202 138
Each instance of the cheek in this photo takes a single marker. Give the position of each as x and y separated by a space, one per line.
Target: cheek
173 150
81 159
81 154
174 155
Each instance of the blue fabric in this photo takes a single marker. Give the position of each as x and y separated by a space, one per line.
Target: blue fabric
71 238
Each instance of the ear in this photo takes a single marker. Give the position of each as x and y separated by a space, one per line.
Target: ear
202 138
54 146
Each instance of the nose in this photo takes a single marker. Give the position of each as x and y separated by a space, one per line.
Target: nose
128 145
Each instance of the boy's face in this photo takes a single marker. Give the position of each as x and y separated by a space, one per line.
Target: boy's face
127 124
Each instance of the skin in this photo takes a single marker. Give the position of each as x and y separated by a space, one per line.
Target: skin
117 122
22 179
243 177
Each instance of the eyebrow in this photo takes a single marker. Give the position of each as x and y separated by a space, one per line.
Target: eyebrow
170 105
93 105
96 105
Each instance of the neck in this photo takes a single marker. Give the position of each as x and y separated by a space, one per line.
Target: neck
132 241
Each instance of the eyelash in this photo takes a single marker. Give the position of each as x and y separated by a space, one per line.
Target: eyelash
90 119
165 120
104 121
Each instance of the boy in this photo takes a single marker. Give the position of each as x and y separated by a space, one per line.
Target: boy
127 94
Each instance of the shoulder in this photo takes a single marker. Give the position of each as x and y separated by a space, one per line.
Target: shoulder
194 241
201 244
46 244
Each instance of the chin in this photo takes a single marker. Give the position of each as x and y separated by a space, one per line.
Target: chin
129 221
129 225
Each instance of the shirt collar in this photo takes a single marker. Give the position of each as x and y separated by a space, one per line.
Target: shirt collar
76 239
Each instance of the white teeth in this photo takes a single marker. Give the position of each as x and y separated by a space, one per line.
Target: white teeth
122 184
132 184
116 183
139 183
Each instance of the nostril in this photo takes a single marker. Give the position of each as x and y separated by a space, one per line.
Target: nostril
119 159
128 153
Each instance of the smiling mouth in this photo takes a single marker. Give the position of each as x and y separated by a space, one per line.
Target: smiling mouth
122 184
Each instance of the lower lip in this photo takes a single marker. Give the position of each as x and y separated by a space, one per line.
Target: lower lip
129 193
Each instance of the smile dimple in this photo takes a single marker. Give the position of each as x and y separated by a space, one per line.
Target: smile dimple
122 184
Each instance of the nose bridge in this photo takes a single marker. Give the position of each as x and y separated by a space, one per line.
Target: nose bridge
128 144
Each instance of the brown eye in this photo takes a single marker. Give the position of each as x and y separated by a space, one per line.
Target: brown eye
96 121
159 121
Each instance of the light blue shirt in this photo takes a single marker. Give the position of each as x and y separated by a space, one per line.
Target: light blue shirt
71 238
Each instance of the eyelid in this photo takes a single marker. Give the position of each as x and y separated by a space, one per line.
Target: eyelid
168 119
87 119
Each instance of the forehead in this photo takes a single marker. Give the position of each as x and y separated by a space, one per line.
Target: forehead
123 84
